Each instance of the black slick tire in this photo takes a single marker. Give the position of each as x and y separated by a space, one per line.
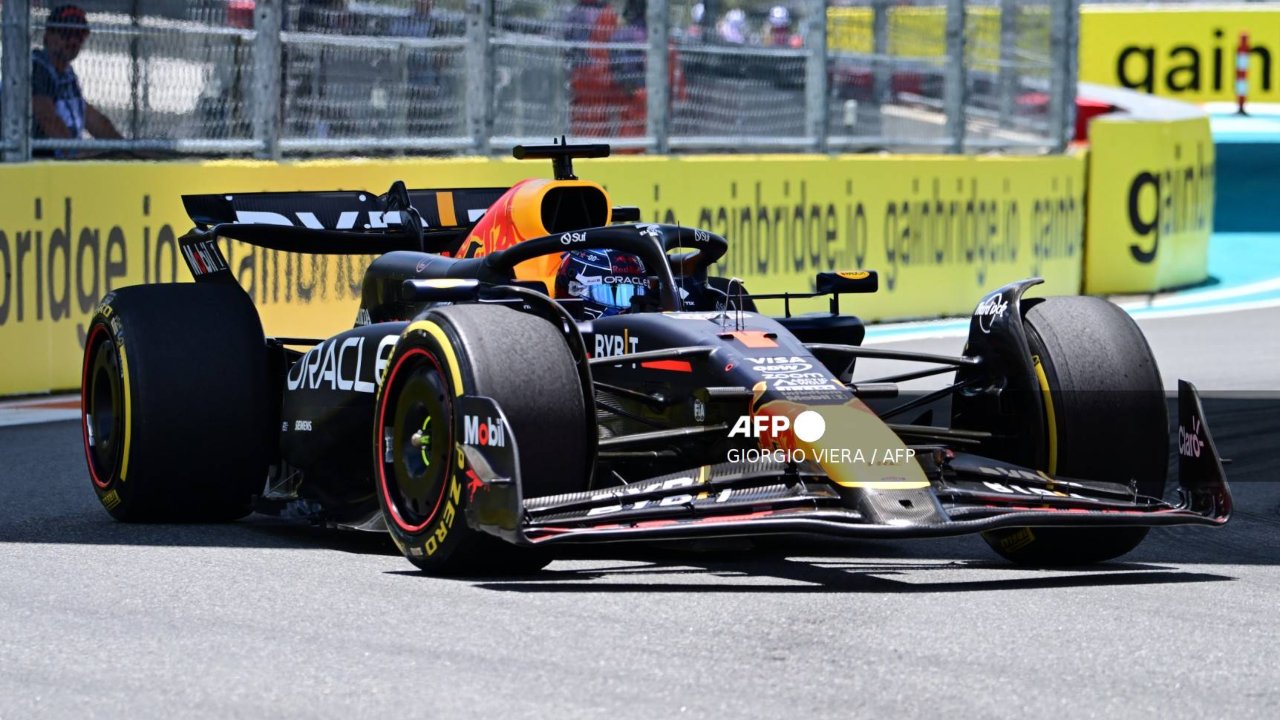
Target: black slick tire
174 403
1109 422
523 364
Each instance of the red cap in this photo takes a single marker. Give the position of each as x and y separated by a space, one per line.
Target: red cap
68 19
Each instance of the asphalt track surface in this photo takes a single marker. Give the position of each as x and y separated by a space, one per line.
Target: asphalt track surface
266 619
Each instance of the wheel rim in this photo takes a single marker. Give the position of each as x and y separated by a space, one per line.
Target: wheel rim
416 435
102 402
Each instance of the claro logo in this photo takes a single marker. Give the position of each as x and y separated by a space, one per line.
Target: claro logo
1189 442
1170 200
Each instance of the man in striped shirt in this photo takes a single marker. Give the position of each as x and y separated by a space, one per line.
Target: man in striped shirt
58 108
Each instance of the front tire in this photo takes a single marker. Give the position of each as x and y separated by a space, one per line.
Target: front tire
524 365
1109 422
174 403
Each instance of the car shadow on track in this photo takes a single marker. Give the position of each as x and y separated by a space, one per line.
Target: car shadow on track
95 528
782 566
806 576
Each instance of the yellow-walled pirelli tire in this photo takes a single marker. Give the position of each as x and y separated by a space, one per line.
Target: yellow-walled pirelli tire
522 363
174 403
1105 419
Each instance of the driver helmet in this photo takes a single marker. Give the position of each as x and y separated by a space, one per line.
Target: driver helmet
605 280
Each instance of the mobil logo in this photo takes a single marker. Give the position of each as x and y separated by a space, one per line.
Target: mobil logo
483 432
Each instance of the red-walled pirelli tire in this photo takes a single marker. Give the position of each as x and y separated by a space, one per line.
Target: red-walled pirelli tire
174 403
1106 420
524 365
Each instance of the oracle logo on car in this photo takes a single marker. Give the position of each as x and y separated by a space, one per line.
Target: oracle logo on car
483 432
342 363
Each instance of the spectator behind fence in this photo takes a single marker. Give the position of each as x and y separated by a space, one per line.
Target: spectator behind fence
779 30
418 23
428 113
58 109
628 65
593 99
696 15
732 28
316 107
325 16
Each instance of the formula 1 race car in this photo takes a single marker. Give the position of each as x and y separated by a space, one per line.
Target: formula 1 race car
531 366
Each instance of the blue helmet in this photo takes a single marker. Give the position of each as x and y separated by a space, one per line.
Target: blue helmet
605 280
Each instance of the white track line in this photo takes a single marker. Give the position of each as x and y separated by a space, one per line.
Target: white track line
1155 310
1206 295
1211 310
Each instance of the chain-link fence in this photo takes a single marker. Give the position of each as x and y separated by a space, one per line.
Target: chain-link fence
305 77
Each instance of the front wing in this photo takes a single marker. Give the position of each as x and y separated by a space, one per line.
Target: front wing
966 494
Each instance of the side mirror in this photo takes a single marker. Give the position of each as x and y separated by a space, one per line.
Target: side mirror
838 283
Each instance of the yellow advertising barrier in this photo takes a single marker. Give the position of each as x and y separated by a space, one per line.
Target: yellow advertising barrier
1183 53
921 32
1151 185
940 230
1188 53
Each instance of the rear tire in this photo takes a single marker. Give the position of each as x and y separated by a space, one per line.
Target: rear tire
174 403
1110 420
525 366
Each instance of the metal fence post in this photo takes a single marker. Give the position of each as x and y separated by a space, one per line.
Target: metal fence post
266 77
135 69
1073 71
1064 36
955 89
880 70
480 74
657 76
816 98
1007 73
15 98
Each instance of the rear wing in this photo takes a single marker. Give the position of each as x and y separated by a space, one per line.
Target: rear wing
341 222
343 210
344 222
